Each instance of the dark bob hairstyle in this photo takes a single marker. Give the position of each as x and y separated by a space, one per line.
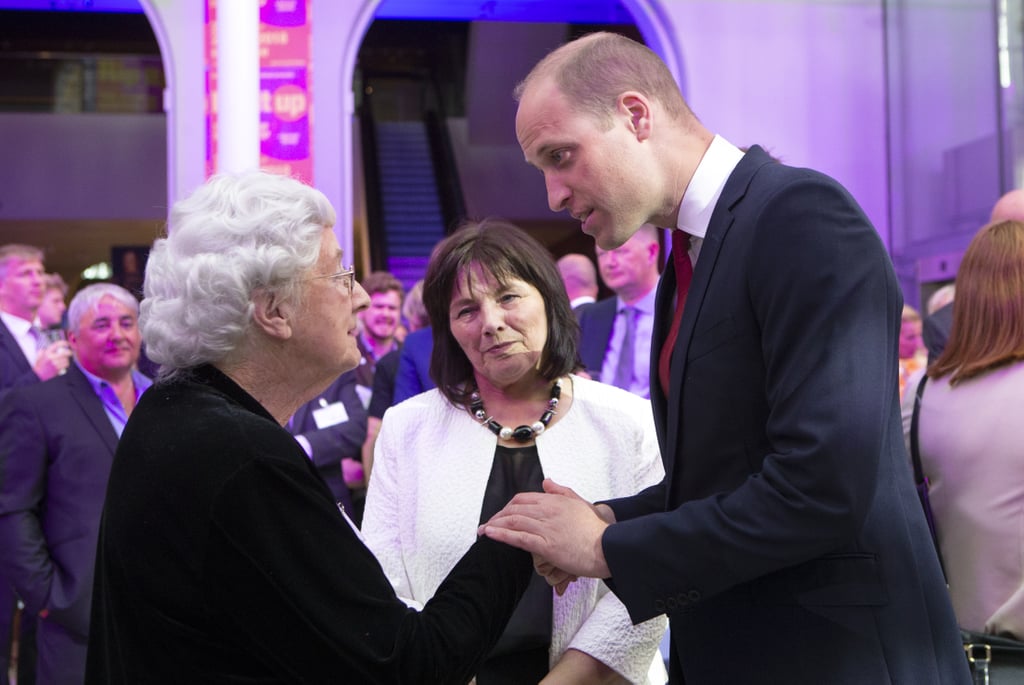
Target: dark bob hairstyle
506 252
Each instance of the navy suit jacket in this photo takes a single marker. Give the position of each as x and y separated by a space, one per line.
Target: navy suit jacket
56 450
786 542
15 371
413 376
596 322
333 443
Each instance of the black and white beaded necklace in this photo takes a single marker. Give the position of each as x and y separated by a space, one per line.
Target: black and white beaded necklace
523 433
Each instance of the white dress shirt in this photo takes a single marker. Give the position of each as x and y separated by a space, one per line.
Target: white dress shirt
704 189
22 332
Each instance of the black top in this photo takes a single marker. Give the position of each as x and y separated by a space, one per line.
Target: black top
223 557
521 655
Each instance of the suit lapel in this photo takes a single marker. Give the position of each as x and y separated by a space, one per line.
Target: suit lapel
718 227
594 344
602 333
663 310
13 349
91 405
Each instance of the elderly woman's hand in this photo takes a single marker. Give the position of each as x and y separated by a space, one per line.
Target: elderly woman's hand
555 577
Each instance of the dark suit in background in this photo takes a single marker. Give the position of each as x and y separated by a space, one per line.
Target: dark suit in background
596 323
935 331
56 449
334 423
413 375
787 515
15 371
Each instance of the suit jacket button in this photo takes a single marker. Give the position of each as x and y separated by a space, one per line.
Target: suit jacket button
683 600
694 595
672 604
659 606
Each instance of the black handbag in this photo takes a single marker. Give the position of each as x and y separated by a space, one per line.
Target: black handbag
921 480
993 660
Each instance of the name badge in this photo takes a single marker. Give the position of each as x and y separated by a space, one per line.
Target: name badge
330 415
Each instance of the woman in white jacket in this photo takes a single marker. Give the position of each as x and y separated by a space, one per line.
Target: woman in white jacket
506 414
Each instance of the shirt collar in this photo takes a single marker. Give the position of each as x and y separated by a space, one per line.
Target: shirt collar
140 381
706 186
15 324
645 305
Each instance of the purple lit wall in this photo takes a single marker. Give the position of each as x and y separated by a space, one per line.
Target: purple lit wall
945 128
74 166
804 80
898 100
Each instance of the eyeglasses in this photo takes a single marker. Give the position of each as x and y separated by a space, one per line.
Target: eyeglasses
345 278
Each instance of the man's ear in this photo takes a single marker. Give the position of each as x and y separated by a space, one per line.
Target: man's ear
636 106
272 315
72 338
654 251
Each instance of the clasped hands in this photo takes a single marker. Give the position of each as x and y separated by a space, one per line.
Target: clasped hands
559 528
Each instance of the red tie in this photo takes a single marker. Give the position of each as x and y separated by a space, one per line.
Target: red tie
684 274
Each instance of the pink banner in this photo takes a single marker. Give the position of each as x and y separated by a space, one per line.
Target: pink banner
286 129
285 88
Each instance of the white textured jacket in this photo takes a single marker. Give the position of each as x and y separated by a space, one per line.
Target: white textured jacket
430 469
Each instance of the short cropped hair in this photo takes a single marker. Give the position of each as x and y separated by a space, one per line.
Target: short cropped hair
506 252
15 252
236 234
940 298
54 282
578 272
413 309
988 312
593 71
382 282
910 315
88 297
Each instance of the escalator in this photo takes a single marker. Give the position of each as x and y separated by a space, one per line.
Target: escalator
414 197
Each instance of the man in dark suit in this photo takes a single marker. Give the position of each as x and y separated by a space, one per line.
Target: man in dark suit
935 330
24 360
786 542
57 442
615 333
413 373
331 428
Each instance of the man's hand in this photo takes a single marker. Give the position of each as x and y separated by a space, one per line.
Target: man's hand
352 472
559 527
53 360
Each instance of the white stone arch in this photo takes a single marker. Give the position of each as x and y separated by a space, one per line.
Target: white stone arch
178 27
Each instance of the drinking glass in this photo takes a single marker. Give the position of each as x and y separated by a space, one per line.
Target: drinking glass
52 335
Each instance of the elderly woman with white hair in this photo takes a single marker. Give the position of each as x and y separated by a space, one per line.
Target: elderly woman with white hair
222 555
